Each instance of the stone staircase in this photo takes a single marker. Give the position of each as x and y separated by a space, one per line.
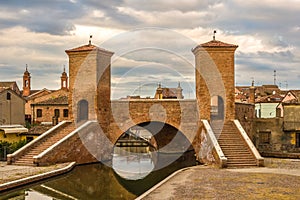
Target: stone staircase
233 145
35 149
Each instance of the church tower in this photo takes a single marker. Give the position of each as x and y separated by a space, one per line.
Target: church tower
179 91
26 83
64 80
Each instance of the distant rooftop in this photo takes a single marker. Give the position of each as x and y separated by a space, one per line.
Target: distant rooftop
62 100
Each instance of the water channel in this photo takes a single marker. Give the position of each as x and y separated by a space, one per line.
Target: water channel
133 171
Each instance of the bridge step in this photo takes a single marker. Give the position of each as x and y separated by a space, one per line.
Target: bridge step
55 136
233 145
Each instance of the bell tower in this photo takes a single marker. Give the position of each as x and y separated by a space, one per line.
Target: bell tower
64 80
26 82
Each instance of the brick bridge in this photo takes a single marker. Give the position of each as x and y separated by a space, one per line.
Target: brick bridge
191 122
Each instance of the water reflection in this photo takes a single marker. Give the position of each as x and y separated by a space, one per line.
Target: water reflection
133 165
98 181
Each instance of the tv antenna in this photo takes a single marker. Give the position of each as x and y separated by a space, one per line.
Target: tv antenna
274 77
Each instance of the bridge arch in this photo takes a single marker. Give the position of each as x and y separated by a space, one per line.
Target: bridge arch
166 136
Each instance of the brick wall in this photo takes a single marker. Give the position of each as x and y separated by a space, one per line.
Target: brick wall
85 146
89 79
215 77
245 113
48 113
180 114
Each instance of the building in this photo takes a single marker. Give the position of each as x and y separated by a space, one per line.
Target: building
50 110
292 96
14 133
46 106
12 104
279 136
168 93
244 93
266 107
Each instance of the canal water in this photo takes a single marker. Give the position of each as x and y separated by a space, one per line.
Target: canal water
131 175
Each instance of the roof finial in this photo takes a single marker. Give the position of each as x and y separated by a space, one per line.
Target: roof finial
26 67
90 41
64 68
214 37
179 84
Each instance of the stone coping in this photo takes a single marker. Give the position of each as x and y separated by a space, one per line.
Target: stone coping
142 196
35 178
152 100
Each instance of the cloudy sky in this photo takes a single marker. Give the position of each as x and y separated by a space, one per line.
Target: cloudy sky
152 40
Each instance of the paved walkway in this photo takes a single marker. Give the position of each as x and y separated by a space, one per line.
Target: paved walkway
280 179
13 172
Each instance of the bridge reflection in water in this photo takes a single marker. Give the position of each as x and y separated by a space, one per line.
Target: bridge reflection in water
134 171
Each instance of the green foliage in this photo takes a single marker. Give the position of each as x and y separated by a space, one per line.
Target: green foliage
10 147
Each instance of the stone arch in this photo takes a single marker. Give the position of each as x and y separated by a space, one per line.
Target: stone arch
82 110
159 128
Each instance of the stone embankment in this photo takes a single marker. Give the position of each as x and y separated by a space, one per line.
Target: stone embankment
12 176
280 179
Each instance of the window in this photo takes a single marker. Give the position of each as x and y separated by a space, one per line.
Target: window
66 112
8 96
29 138
297 139
264 137
39 113
56 112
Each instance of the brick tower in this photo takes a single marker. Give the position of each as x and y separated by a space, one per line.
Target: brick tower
26 82
89 83
64 80
215 79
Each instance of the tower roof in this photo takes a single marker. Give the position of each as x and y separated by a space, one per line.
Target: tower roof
217 43
88 47
26 71
64 73
214 44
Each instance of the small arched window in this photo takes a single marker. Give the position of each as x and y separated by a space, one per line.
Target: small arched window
82 110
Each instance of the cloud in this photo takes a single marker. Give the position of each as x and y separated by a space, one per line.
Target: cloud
38 32
169 5
53 17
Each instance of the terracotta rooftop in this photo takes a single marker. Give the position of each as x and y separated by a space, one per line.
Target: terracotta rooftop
88 47
217 43
274 98
8 84
62 100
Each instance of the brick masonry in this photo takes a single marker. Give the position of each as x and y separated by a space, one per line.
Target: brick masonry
215 77
89 79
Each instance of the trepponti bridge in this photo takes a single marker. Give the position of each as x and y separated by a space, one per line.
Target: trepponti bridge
205 125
